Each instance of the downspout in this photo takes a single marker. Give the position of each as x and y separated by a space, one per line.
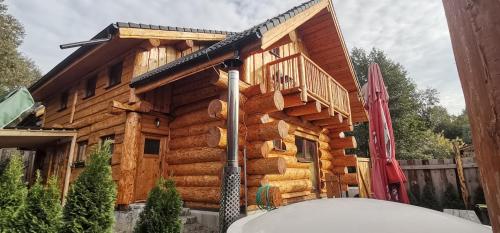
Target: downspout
230 191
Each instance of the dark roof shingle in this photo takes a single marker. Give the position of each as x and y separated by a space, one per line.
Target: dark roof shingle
232 42
113 29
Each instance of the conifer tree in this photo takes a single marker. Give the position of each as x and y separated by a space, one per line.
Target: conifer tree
43 211
91 199
12 192
163 207
451 199
428 199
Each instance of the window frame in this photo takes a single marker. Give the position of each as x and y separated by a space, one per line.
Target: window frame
303 148
146 138
112 72
90 92
316 181
279 145
63 100
79 160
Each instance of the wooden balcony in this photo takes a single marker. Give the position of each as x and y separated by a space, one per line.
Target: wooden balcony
298 73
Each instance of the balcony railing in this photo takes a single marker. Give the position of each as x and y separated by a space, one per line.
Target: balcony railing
299 73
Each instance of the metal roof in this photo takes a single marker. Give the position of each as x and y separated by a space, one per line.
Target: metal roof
231 43
113 29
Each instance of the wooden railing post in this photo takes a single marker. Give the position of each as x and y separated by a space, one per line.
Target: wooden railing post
330 99
302 80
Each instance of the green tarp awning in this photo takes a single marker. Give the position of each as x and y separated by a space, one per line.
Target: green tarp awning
14 105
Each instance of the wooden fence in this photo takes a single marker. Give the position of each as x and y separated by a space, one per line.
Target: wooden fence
439 173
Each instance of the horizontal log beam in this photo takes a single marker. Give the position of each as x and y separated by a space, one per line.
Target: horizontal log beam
265 166
342 143
268 131
346 161
307 109
266 103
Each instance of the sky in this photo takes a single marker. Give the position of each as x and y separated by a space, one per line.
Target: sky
413 33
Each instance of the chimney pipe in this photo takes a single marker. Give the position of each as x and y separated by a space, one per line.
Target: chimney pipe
230 199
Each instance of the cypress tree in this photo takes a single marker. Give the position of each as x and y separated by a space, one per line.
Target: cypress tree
428 199
43 210
12 192
163 207
91 199
451 199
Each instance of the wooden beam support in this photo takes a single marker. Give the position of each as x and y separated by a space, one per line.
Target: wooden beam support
128 164
117 107
251 91
307 109
221 80
343 143
345 161
275 34
324 114
293 100
183 45
268 131
67 176
266 103
140 33
349 179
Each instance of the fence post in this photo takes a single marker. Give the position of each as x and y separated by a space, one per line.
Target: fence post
460 174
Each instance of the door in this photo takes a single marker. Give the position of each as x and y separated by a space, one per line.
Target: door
148 164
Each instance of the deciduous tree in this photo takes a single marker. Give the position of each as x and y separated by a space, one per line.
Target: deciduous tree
15 69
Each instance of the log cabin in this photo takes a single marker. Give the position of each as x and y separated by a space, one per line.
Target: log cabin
160 93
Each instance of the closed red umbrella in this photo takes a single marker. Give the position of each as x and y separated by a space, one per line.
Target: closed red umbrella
387 177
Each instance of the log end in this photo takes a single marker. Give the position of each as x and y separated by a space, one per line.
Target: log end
279 100
216 138
216 109
283 128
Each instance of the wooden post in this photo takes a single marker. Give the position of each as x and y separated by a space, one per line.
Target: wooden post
474 35
128 164
302 80
460 174
67 176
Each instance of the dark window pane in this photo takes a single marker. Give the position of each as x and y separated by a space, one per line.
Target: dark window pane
82 147
152 146
306 149
90 87
299 142
278 144
64 100
115 74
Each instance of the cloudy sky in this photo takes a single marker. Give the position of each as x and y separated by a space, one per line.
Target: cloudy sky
413 33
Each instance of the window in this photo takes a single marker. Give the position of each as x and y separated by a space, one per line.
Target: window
112 139
63 101
90 87
306 149
151 146
115 74
82 148
307 153
279 145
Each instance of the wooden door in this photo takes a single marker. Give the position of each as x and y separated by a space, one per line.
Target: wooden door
148 164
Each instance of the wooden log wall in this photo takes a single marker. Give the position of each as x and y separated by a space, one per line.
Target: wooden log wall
197 152
94 118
